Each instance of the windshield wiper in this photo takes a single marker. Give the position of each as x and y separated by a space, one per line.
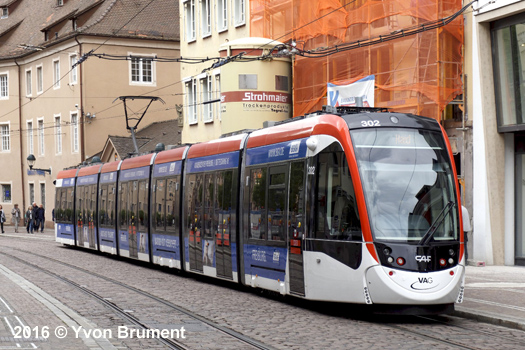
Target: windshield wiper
439 220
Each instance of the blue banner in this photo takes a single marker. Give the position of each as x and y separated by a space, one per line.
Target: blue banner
167 169
107 237
277 152
108 177
265 261
166 246
134 174
216 162
65 231
87 180
70 182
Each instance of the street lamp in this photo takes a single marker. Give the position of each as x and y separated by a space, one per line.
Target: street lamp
31 161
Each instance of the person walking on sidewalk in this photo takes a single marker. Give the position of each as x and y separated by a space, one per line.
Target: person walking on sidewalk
41 217
29 219
2 218
36 223
15 218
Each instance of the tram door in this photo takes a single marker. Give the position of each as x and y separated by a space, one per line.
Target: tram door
195 220
296 227
222 218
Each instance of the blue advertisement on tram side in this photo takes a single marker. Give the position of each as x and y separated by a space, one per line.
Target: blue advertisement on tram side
234 256
134 174
87 180
186 249
216 162
134 243
265 261
108 177
276 153
166 246
167 169
65 231
107 237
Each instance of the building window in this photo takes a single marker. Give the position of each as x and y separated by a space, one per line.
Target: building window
6 137
43 193
206 90
205 18
29 90
31 193
4 91
74 132
189 10
30 146
240 14
191 100
281 82
6 193
58 135
248 81
5 12
41 137
73 72
56 74
60 2
222 15
217 96
39 80
141 70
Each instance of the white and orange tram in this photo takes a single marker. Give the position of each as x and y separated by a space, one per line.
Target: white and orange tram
356 206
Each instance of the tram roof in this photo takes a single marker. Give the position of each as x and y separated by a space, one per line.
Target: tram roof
110 167
90 170
136 162
223 145
327 124
171 155
66 174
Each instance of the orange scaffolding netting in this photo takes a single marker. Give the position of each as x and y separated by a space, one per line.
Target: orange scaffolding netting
419 73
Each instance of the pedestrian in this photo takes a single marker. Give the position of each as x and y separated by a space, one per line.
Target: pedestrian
29 219
2 218
466 229
36 223
15 217
41 217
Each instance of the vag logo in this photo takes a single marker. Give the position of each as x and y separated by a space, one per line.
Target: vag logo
425 280
423 258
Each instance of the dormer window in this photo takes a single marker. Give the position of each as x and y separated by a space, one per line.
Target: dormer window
5 12
60 2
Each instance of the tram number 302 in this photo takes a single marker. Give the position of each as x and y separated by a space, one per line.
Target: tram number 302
368 123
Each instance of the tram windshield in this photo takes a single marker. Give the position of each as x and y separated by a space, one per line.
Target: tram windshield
408 182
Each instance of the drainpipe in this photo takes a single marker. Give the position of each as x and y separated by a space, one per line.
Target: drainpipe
81 116
22 160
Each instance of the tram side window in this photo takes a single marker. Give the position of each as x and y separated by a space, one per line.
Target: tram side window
258 206
336 206
123 206
102 205
68 214
142 206
296 200
93 208
111 205
276 203
172 217
80 205
194 202
159 220
58 205
132 203
209 194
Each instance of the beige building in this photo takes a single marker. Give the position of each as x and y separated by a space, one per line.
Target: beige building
62 65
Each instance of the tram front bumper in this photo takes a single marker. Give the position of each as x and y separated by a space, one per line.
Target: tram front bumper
391 286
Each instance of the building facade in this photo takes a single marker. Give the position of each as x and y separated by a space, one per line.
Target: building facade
498 57
62 65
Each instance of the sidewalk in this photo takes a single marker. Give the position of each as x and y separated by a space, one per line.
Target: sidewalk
493 294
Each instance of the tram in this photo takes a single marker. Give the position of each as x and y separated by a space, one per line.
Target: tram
355 205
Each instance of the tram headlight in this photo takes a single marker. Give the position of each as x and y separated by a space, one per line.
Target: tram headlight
442 262
451 252
390 259
387 251
450 261
400 261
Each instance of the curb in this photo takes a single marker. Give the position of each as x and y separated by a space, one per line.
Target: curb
487 317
